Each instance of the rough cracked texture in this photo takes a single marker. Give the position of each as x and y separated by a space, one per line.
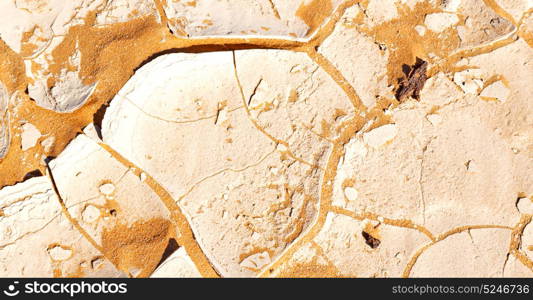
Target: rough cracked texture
266 138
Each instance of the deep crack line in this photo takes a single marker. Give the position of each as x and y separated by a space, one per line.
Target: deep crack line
274 9
256 86
262 130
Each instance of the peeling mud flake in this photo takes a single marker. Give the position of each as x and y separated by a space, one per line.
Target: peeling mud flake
496 91
90 214
470 80
380 136
47 35
30 135
48 143
420 29
107 189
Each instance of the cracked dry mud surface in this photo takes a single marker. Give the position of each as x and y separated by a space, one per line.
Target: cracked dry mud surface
215 138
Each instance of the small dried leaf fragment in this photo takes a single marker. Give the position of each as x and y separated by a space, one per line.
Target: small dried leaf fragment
370 240
413 84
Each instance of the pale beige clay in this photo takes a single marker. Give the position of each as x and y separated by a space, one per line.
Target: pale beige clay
266 138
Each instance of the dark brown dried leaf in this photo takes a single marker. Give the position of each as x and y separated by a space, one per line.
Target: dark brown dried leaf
413 84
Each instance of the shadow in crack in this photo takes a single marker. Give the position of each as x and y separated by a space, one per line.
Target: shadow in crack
172 246
215 48
98 117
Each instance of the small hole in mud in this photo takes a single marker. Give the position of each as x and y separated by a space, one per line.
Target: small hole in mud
370 240
170 29
113 212
34 173
98 118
